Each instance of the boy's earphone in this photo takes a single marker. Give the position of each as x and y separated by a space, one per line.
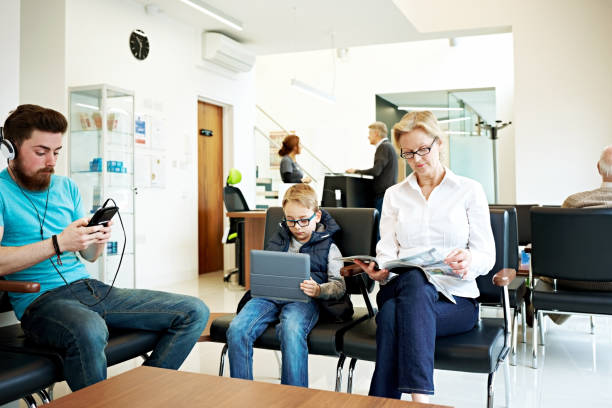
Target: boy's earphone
7 147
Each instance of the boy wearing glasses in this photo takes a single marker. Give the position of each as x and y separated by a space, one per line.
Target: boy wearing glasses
305 229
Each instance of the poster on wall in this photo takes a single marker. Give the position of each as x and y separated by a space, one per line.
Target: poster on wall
140 129
276 141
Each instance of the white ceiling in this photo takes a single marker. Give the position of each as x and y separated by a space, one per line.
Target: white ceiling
481 100
280 26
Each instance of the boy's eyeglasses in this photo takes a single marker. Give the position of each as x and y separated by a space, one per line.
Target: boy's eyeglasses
302 222
407 154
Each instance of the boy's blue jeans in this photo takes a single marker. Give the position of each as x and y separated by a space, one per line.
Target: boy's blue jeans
296 321
59 320
411 315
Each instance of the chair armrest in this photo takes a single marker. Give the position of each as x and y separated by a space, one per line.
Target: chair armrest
504 277
17 286
351 270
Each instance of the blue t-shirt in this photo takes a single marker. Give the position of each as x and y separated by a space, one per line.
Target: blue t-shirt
21 227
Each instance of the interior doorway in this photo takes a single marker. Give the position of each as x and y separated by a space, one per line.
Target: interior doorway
210 187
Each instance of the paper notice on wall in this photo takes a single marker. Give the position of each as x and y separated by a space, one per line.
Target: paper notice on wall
158 171
140 129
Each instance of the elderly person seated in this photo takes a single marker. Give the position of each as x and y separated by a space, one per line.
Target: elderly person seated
435 208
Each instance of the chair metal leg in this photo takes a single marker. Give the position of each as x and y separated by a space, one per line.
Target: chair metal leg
524 320
534 341
490 390
44 397
339 368
542 327
222 360
349 385
514 336
507 382
30 401
592 325
50 391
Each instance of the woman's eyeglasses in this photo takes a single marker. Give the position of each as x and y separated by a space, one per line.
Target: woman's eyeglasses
302 222
421 152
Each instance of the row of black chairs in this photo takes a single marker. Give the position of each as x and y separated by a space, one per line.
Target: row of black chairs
482 350
27 369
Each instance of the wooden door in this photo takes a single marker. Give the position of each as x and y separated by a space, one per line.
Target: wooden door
210 187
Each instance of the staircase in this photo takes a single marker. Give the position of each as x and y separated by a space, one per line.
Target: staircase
269 134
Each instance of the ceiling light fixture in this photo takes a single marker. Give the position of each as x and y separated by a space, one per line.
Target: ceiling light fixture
459 132
214 13
304 87
425 108
86 106
454 120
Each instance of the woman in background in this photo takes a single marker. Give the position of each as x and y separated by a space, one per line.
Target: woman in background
289 169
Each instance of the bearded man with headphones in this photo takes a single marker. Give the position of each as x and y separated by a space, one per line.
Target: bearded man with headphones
42 227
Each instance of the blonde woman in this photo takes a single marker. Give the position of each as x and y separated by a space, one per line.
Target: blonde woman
436 208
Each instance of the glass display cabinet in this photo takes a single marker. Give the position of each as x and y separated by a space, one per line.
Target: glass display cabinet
101 140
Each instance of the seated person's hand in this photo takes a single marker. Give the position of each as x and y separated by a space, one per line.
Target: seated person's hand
372 271
311 288
350 171
106 233
306 179
459 260
78 236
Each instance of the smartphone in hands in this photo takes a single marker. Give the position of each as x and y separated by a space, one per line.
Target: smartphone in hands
103 216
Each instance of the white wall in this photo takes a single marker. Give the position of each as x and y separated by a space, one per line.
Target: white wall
9 49
563 96
338 132
167 84
9 83
42 79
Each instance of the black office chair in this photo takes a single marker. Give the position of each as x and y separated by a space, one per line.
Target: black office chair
517 289
569 244
123 344
235 202
355 237
481 350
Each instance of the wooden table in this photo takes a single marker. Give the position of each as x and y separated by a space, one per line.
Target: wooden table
254 229
150 387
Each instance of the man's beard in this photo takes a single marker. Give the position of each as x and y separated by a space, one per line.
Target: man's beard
38 182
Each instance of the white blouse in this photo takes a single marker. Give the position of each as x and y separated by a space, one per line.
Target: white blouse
456 215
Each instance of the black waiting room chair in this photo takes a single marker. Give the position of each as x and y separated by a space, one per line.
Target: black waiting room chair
481 350
517 289
355 237
572 245
43 366
23 375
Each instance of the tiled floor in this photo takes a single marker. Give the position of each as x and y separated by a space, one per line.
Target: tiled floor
575 367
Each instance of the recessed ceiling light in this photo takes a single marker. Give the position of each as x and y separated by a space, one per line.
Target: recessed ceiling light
427 108
214 13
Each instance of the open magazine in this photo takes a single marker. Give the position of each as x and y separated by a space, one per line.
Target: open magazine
430 262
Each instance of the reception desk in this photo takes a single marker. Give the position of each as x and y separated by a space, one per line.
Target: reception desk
251 235
348 190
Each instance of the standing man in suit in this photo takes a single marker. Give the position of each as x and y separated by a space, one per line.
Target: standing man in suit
385 163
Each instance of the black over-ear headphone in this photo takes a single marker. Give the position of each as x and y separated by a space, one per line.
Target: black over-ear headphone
7 147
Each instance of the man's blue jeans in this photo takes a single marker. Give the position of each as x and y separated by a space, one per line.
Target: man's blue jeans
59 320
296 321
411 315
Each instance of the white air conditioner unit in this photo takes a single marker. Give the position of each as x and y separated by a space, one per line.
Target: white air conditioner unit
224 51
